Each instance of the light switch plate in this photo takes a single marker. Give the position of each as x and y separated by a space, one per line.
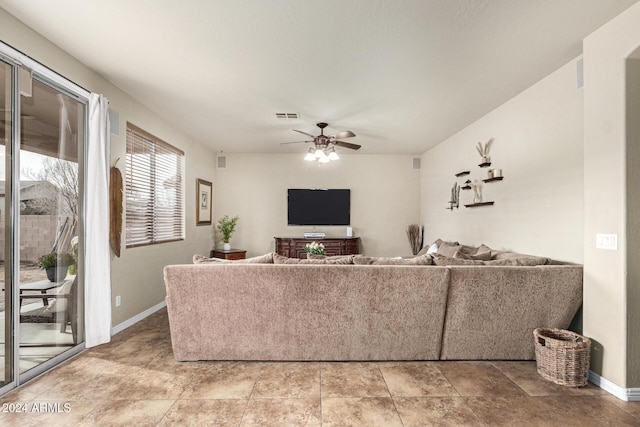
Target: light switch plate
607 241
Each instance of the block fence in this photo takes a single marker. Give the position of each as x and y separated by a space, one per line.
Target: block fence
37 235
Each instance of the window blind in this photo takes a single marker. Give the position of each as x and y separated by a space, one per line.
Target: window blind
154 190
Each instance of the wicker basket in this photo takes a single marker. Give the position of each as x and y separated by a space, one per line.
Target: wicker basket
562 356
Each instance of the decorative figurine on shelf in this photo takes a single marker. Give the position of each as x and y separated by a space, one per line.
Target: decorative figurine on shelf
490 173
477 191
483 150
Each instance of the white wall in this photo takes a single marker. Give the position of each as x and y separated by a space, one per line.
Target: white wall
611 297
384 198
137 275
538 145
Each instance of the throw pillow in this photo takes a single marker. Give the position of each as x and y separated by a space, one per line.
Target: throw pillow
448 250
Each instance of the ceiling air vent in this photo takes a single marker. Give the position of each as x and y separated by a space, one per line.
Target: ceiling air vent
287 116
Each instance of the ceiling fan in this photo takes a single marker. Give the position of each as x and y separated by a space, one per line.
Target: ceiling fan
323 145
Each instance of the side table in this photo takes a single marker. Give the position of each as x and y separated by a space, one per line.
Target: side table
230 254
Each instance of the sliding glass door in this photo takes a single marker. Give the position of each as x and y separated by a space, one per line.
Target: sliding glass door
6 312
42 135
51 135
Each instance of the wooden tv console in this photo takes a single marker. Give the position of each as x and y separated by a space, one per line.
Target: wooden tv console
294 247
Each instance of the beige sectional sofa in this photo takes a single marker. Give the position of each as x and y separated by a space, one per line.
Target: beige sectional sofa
329 310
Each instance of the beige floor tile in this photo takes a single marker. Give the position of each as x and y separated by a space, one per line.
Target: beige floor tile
478 379
549 411
525 376
363 411
99 388
288 380
137 413
135 380
282 412
594 410
435 411
223 381
632 408
149 384
412 379
353 379
219 413
48 413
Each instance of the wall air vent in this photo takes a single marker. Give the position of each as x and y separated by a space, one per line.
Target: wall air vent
294 116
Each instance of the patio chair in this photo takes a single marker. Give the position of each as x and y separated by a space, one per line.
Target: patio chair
60 309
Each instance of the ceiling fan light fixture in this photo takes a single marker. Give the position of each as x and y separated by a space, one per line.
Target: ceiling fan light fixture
333 155
310 157
319 154
324 159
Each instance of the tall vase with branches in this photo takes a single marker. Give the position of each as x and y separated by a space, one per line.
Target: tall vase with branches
415 233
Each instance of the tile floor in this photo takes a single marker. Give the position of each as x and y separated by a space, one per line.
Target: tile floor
134 381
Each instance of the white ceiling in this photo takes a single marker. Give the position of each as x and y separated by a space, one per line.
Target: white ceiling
403 75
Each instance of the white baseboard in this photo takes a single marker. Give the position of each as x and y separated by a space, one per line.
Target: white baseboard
626 394
138 317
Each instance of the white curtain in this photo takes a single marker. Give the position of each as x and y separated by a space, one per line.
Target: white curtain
97 279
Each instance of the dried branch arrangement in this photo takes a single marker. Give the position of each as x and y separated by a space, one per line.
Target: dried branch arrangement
415 234
483 150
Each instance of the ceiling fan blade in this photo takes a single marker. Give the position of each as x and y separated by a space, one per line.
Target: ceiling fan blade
347 145
343 134
304 133
293 142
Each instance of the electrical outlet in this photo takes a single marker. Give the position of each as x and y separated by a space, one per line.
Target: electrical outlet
607 241
118 300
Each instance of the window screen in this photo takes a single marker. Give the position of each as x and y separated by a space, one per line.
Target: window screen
154 194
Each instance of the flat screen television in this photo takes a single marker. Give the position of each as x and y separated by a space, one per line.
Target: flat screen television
318 206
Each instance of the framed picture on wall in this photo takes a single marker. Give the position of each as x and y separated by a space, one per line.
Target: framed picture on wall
204 202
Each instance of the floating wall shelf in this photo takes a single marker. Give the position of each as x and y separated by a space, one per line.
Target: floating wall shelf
466 187
495 178
484 165
463 173
475 205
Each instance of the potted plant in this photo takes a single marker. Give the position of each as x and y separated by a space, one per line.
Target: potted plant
490 173
56 265
314 248
227 226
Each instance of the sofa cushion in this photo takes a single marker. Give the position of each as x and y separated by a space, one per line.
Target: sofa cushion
260 259
281 259
482 256
443 260
526 261
199 259
417 260
339 259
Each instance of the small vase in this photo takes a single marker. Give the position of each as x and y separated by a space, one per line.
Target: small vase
56 274
226 246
